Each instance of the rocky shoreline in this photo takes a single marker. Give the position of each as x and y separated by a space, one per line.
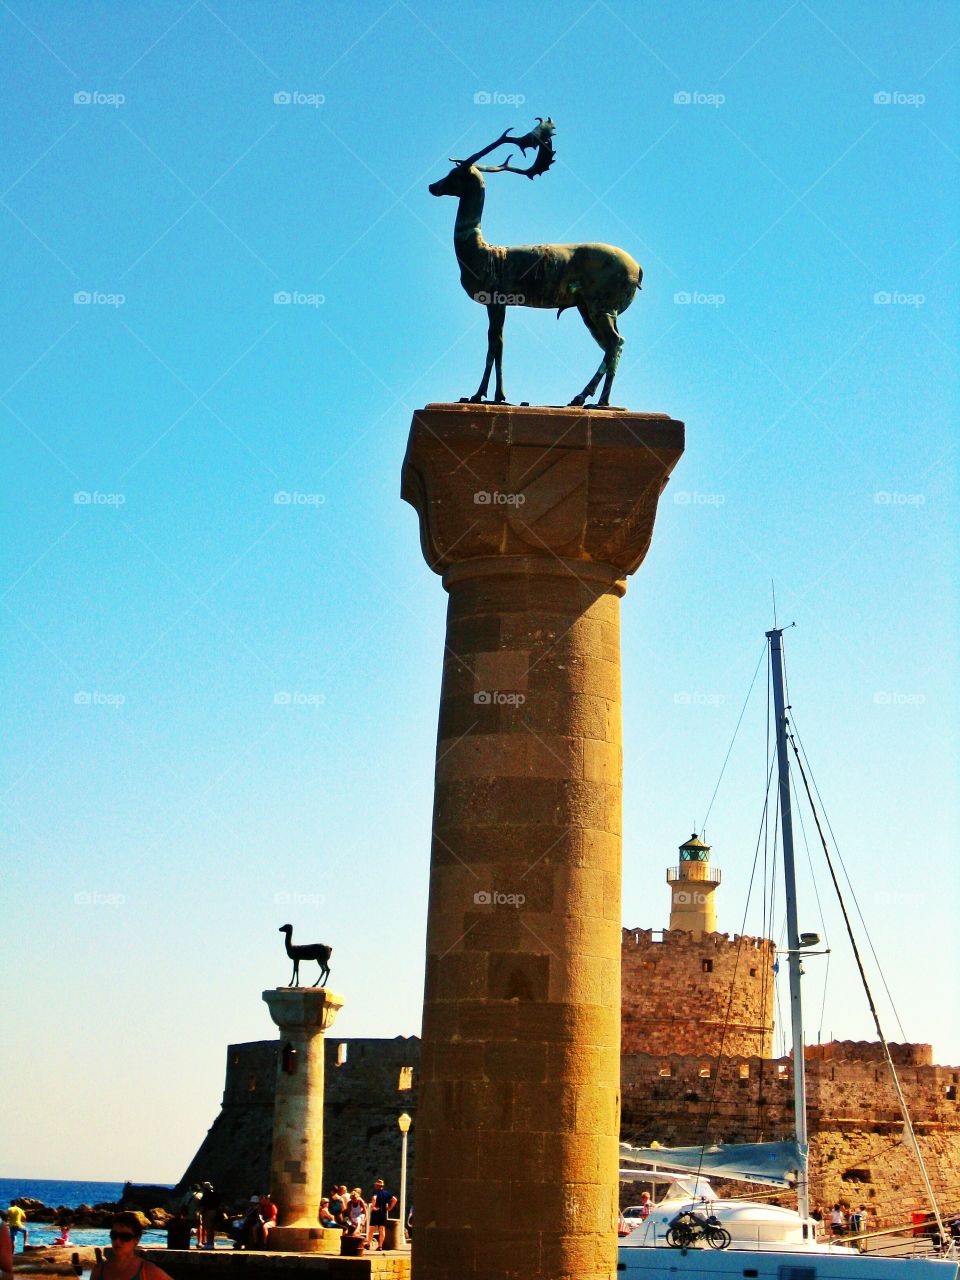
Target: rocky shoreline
93 1215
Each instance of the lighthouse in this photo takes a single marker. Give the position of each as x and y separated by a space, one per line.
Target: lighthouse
726 1006
693 883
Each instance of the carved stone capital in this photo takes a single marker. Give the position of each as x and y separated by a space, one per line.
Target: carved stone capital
557 485
308 1009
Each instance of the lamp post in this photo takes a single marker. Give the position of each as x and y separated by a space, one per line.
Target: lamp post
404 1121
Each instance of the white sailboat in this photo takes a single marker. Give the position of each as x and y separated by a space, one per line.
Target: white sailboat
752 1239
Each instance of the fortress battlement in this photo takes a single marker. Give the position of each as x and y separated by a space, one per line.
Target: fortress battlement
903 1055
687 938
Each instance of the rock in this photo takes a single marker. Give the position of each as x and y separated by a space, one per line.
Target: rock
159 1217
145 1196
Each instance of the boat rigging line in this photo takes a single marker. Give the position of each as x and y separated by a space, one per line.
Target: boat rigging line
907 1122
703 825
823 923
850 884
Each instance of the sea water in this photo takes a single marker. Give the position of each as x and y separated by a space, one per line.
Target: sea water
55 1193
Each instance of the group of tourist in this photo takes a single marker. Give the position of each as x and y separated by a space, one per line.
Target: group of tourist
201 1212
841 1220
354 1216
252 1231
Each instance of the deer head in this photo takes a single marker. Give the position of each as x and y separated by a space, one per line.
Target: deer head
456 181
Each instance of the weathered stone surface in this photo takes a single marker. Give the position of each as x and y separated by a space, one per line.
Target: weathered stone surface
588 482
303 1014
697 996
534 517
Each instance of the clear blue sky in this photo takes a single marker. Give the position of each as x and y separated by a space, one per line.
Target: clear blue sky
164 813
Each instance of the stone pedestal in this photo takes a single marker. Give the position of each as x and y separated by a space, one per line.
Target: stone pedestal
303 1014
534 517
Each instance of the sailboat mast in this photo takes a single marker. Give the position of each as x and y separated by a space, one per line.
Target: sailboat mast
793 932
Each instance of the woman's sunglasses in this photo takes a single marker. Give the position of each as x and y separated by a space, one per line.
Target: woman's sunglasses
122 1235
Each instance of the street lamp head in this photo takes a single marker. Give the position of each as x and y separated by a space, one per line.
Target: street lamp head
404 1121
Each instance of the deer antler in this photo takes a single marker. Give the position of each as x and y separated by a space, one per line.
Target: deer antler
540 137
504 137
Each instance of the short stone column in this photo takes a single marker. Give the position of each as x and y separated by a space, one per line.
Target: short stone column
303 1014
534 517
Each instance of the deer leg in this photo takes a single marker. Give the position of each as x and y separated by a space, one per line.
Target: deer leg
613 345
498 320
495 315
598 337
294 977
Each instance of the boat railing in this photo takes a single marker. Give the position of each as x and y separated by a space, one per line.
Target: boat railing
902 1242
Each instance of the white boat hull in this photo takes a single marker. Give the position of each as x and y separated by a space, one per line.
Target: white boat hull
806 1262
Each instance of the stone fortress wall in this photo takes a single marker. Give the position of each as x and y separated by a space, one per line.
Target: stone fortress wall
689 995
857 1152
679 1087
375 1082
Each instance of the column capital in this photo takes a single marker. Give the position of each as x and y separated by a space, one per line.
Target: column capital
304 1008
542 484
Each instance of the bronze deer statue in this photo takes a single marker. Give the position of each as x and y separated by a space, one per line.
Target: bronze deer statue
598 279
318 951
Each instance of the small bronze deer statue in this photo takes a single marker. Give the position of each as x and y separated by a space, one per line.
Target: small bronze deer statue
598 279
318 951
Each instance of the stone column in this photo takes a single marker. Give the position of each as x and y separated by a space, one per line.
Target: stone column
534 517
303 1014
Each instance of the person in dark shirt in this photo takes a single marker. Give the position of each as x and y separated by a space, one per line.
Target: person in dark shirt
381 1202
210 1214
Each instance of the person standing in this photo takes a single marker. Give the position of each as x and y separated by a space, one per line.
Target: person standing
837 1220
17 1221
381 1202
210 1215
858 1224
190 1206
645 1204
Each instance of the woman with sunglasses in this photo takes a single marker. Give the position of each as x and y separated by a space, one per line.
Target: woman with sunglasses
123 1262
